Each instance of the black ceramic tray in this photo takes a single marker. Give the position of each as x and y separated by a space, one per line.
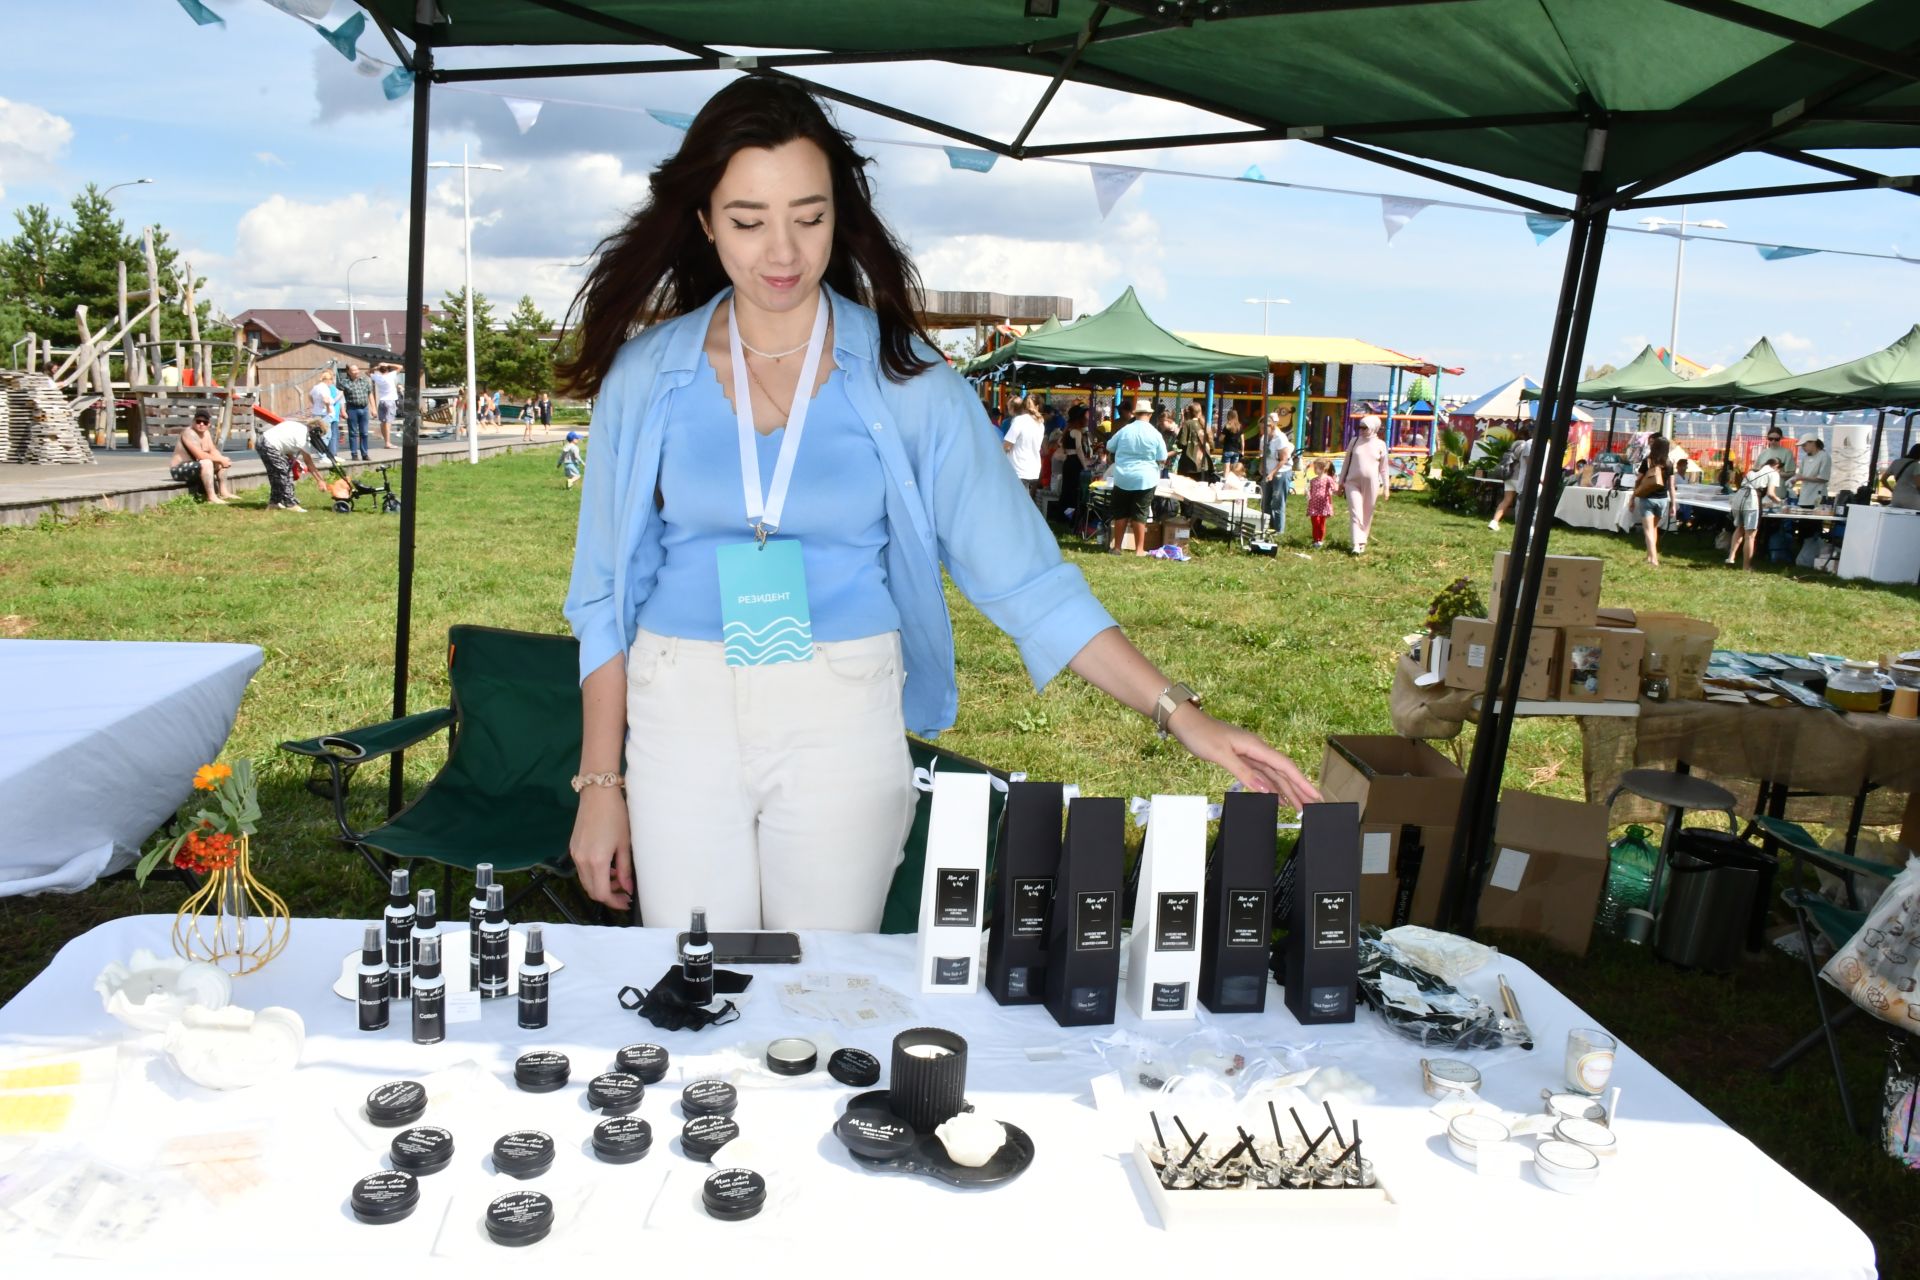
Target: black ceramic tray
928 1156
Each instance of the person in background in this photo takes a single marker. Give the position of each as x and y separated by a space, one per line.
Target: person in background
197 460
357 390
1816 469
1195 461
276 448
1775 451
1023 440
1138 449
1163 423
1758 491
1232 439
1904 479
570 462
1276 472
1075 460
1364 476
1515 463
544 407
1652 494
325 402
1320 500
386 398
529 418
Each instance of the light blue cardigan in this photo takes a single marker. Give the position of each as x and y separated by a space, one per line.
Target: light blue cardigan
952 499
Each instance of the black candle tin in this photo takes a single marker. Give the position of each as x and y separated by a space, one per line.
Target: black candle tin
792 1056
733 1195
705 1135
648 1061
542 1071
622 1139
616 1093
854 1067
524 1153
387 1196
875 1135
396 1103
519 1218
708 1098
928 1084
428 1149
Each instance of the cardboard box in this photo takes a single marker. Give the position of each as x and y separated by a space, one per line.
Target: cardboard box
1685 646
1469 651
1403 788
1569 590
1601 664
1548 867
1156 538
1613 616
1175 529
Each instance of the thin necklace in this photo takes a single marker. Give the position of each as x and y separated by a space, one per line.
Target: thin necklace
773 355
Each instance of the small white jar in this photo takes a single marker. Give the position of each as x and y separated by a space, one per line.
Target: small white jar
1566 1167
1468 1132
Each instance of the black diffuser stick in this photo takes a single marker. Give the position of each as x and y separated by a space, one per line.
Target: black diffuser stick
1158 1136
1328 1104
1192 1151
1238 1147
1246 1144
1182 1125
1274 1116
1313 1147
1296 1124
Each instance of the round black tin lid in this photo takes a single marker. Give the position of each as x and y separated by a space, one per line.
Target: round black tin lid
387 1196
648 1061
733 1194
615 1093
855 1067
519 1217
396 1103
541 1071
791 1056
875 1135
428 1149
705 1135
709 1098
622 1139
524 1153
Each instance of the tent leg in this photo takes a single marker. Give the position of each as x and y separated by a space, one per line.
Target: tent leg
410 405
1726 461
1613 417
1520 591
1873 454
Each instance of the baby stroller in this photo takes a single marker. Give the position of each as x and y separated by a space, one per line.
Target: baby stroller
347 491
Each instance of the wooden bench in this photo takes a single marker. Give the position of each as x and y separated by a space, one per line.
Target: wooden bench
166 412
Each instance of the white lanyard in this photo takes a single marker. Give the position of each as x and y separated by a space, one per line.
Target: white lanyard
764 518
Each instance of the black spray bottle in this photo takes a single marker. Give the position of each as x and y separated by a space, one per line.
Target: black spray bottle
534 979
400 933
429 995
493 945
696 961
477 916
426 924
373 982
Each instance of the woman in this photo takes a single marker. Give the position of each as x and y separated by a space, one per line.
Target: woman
1233 439
1758 491
1074 461
770 782
1191 441
1903 477
1652 493
1023 439
1816 470
1364 477
1276 472
1138 451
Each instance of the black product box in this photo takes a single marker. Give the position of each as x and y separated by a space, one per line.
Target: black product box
1237 937
1083 939
1321 915
1023 894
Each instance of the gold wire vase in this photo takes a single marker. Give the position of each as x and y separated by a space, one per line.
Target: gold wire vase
232 920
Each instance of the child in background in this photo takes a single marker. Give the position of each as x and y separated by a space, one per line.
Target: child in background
570 458
1320 499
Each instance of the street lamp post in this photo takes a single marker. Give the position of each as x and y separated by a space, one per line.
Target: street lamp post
466 169
1679 234
1265 305
353 324
131 182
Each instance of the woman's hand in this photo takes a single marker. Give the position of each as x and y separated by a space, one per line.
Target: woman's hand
602 847
1258 766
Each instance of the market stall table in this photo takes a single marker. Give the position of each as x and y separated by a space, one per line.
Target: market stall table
1680 1199
98 744
1591 507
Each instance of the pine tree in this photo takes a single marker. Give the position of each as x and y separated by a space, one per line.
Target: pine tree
524 364
445 345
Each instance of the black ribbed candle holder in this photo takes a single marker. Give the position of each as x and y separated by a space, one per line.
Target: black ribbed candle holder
928 1088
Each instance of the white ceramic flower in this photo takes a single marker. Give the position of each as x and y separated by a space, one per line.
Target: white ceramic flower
151 992
971 1138
233 1048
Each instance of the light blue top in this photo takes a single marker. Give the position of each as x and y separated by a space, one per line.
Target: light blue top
950 499
1138 449
836 507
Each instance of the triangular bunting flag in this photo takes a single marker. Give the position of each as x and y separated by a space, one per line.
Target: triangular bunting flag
1253 174
1397 211
1110 182
1544 225
201 14
346 36
971 159
672 119
525 112
1775 252
311 10
396 83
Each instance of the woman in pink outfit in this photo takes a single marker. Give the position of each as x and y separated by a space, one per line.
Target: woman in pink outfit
1364 475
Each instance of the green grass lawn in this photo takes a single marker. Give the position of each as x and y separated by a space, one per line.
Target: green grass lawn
1296 647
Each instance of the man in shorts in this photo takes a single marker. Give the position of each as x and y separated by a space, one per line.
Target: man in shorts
197 461
386 390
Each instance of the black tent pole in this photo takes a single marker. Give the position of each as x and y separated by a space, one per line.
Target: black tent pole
1520 590
1873 456
1613 416
415 378
1726 461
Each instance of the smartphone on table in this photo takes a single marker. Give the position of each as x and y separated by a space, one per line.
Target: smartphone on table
751 948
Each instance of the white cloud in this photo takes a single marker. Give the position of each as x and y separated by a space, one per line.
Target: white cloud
31 142
1789 341
268 158
1091 273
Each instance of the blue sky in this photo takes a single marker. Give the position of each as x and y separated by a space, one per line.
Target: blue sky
277 162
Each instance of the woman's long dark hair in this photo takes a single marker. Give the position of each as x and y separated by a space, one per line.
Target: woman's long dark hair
660 265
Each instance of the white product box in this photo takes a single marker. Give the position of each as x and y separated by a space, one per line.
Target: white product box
953 888
1163 959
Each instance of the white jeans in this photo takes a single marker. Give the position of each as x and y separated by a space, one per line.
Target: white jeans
775 797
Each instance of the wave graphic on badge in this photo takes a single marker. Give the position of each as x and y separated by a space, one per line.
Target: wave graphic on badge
784 639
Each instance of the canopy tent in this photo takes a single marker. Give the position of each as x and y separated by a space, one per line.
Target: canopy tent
1514 401
1120 339
1608 104
1733 385
1886 379
1287 349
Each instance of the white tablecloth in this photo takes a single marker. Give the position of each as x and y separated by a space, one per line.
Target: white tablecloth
1685 1197
1585 507
98 744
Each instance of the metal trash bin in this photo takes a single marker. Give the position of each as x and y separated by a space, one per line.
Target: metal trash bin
1714 890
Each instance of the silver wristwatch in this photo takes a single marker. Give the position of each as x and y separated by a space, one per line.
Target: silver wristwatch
1170 700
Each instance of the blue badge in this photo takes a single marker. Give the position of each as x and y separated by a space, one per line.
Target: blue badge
764 616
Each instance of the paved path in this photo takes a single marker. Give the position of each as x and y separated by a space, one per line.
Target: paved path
129 480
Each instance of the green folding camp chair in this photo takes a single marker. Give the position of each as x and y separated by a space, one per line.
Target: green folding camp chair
1834 921
503 795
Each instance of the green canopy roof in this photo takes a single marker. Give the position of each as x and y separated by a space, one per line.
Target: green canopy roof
1887 379
1644 374
1737 384
1121 339
1677 84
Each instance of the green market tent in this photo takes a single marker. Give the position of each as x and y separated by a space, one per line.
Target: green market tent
1737 385
1632 381
1886 379
1120 339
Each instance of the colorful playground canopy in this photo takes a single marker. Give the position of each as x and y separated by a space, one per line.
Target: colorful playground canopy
1120 339
1285 349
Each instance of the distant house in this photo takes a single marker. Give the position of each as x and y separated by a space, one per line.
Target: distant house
286 375
275 328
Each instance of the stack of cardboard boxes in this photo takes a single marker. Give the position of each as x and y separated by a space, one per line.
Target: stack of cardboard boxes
1577 650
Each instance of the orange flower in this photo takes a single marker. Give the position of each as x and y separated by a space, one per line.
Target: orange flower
203 854
208 776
